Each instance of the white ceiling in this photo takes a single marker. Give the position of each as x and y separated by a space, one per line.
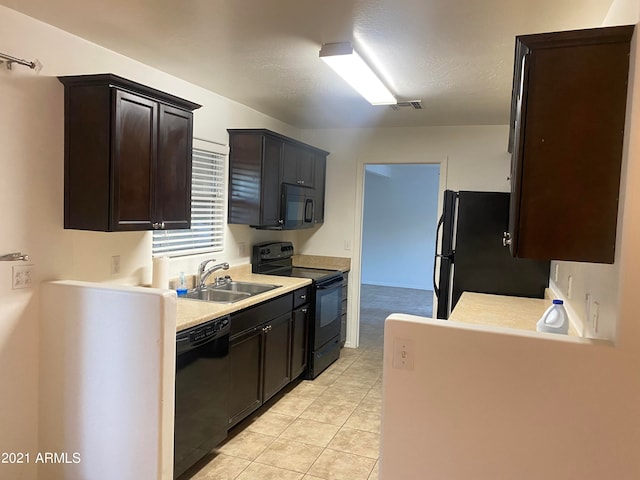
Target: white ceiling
454 55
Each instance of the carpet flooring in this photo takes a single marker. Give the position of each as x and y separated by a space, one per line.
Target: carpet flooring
377 303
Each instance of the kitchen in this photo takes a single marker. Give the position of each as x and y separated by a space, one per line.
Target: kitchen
32 192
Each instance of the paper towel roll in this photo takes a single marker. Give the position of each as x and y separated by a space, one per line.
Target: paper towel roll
160 272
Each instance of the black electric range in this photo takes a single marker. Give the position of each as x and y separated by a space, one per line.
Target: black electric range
275 258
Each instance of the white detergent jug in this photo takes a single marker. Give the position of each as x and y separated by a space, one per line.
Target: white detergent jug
554 319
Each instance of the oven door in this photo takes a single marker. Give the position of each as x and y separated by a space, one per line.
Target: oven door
298 206
328 311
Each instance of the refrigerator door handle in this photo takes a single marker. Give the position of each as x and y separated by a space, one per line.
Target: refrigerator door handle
436 289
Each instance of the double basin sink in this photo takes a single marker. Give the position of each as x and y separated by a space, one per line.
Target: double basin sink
228 292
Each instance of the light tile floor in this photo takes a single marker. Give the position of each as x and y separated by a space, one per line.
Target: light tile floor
325 429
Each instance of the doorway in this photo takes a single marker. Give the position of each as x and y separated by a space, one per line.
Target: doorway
400 209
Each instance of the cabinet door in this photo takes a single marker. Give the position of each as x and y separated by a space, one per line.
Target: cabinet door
290 163
245 379
516 134
173 169
270 201
306 168
319 185
299 341
134 157
297 165
277 345
568 147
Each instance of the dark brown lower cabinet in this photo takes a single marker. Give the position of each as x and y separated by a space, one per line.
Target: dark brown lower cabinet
299 340
259 355
276 361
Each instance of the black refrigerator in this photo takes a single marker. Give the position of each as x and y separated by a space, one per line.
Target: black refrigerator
472 257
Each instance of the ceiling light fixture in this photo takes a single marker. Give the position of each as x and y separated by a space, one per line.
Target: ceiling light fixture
353 69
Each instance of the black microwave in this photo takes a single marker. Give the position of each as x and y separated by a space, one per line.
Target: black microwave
297 206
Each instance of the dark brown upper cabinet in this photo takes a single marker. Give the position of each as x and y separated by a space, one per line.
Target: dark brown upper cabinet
260 161
127 155
567 126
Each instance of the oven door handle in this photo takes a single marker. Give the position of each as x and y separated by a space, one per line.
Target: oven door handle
330 284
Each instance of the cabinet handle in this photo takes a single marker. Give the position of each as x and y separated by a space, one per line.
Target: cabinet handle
267 329
158 225
303 297
506 239
304 310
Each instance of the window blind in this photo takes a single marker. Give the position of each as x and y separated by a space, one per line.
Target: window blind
207 210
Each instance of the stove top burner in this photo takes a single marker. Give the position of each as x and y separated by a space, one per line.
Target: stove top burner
274 258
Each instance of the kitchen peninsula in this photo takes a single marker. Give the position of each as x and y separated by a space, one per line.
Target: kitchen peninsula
502 311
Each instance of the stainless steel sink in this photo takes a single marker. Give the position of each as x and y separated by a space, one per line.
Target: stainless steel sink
229 292
244 287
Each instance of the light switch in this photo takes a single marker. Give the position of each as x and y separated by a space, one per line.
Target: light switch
403 354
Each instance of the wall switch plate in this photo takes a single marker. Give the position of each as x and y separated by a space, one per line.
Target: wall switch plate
595 316
23 276
556 273
403 354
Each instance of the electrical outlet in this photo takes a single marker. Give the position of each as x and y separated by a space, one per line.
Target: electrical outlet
403 354
115 264
556 273
347 244
23 276
243 250
595 316
569 287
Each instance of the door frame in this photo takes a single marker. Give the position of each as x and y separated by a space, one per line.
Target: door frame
353 330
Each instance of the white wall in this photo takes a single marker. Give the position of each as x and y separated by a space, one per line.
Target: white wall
484 403
399 225
31 193
470 158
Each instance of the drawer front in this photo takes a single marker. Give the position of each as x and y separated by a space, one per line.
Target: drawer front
301 296
254 316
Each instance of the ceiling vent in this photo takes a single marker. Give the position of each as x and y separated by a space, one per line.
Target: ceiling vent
415 104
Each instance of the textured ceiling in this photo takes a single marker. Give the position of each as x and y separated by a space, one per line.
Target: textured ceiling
454 55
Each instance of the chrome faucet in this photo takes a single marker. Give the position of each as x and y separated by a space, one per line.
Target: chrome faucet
204 272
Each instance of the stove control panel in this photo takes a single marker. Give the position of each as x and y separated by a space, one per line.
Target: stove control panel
264 252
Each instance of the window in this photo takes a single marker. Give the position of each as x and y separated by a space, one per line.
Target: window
207 210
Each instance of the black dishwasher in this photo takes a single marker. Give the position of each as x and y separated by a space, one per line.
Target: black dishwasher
202 392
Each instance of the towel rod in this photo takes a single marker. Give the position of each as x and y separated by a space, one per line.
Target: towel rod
14 257
37 66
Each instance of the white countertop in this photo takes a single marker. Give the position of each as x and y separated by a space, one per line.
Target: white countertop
501 311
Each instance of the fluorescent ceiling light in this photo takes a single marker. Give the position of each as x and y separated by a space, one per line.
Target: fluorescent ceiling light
352 68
